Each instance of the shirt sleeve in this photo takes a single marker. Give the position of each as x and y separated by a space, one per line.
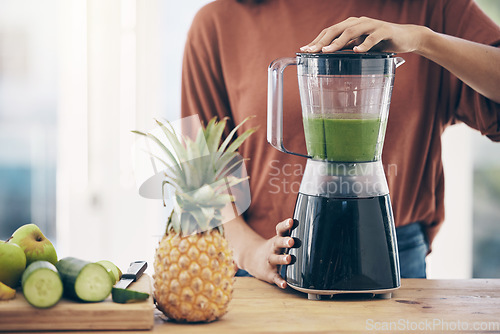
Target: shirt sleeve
464 19
203 90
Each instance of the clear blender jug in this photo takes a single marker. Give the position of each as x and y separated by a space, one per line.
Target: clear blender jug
345 100
343 209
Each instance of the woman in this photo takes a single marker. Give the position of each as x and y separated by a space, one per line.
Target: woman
451 74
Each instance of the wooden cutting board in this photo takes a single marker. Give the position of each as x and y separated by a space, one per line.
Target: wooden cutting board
18 315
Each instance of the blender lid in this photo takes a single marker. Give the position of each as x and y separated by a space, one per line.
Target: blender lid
346 62
348 54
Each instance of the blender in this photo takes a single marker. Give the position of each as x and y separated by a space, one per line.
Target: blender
343 209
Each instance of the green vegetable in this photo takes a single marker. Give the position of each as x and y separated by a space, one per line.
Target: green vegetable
42 286
113 271
83 280
123 296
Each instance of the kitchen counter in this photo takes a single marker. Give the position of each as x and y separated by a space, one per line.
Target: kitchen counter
419 305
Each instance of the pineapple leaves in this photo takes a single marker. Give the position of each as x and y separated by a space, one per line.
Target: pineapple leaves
238 141
230 169
206 196
173 161
213 134
202 169
226 142
172 139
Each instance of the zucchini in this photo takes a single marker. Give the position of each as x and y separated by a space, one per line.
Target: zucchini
42 286
123 296
83 280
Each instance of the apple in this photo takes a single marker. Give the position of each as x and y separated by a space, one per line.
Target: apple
12 263
35 245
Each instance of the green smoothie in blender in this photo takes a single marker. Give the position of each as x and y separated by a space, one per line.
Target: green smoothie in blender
344 139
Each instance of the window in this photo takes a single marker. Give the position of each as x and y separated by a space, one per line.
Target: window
28 115
486 191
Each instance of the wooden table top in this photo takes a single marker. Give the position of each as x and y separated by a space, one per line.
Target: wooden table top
420 305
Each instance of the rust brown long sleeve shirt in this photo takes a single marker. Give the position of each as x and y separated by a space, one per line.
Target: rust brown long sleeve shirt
231 44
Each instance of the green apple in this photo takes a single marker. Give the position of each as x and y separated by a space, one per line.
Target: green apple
113 271
35 245
12 263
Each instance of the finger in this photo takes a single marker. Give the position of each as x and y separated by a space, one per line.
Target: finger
279 281
307 48
334 32
279 259
283 228
369 42
282 242
327 35
355 42
349 34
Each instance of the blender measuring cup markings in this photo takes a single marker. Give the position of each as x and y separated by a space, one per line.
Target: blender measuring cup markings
343 207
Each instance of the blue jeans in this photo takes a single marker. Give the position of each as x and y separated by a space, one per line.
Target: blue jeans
412 247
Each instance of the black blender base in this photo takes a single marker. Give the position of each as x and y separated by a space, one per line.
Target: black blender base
327 294
347 246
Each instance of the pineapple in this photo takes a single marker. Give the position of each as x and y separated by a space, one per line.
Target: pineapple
194 269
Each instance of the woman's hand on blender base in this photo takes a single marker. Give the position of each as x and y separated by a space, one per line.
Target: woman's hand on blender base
269 255
363 34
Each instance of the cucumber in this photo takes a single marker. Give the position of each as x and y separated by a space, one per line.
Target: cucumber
113 271
42 286
123 296
83 280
